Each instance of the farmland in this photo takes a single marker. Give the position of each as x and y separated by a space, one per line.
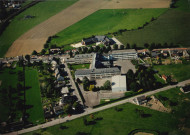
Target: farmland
106 21
18 26
171 27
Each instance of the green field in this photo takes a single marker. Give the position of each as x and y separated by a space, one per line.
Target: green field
105 21
18 26
171 27
120 123
33 98
179 103
180 71
8 80
79 66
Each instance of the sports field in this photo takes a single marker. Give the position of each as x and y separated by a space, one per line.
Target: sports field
36 37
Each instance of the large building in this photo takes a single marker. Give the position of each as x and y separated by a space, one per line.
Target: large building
119 83
98 73
124 54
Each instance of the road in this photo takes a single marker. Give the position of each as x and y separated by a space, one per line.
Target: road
75 92
89 111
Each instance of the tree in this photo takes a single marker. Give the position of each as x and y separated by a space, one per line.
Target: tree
121 47
46 45
146 45
152 46
169 79
97 48
128 46
115 46
130 74
34 52
107 85
91 49
67 108
70 53
28 58
86 83
134 86
134 46
108 48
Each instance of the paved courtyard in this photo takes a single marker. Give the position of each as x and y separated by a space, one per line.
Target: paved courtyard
125 65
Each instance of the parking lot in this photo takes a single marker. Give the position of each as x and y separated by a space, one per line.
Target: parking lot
125 65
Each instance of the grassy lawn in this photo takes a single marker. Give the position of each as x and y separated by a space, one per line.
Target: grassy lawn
171 27
9 79
79 66
33 98
180 71
105 21
178 102
18 26
114 122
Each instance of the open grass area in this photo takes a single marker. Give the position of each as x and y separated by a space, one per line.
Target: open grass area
180 71
8 79
33 98
105 21
171 27
117 122
79 66
179 103
18 26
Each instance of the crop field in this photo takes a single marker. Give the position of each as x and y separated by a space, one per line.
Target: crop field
19 25
105 21
171 27
35 38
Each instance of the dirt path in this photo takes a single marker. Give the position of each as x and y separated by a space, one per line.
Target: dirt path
35 38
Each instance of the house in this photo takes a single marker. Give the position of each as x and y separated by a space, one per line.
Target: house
55 50
60 78
185 89
164 77
58 110
154 54
102 39
140 100
65 90
53 65
119 83
128 54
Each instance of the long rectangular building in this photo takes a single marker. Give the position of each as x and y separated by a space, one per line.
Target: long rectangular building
124 54
92 74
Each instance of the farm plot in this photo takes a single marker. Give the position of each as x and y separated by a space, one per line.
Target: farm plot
35 38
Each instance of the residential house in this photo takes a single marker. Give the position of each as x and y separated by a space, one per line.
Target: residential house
140 100
185 89
58 110
164 77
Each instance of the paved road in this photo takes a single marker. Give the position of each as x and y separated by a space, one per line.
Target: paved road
75 92
89 111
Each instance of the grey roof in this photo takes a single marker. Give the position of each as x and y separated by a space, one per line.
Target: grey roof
97 71
90 55
124 51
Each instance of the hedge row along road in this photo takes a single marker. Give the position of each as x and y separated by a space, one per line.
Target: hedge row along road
35 38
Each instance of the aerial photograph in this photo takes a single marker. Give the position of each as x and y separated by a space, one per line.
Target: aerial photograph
94 67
